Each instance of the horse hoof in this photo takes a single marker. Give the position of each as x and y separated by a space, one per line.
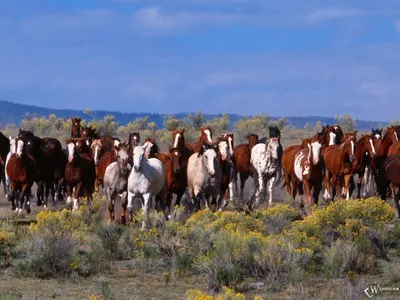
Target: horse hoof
45 206
122 220
28 210
13 207
39 203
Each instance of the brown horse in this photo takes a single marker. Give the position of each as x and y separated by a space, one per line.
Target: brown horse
80 172
21 169
97 151
4 150
391 167
308 169
241 157
176 178
178 141
105 160
133 141
204 139
364 150
75 127
338 161
89 134
109 142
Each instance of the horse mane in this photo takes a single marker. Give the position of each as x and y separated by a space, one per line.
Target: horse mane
155 148
205 148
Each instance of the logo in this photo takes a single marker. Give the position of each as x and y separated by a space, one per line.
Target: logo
372 290
375 289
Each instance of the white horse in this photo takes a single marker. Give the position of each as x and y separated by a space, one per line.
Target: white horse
203 176
13 149
147 179
264 160
116 180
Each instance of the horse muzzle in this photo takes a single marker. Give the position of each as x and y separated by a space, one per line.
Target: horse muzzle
352 158
137 169
211 173
177 170
70 159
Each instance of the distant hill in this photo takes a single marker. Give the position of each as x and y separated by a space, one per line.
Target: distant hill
14 113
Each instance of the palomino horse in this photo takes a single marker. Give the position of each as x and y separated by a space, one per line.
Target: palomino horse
391 167
241 157
364 150
80 172
204 139
227 171
147 179
264 160
308 169
116 181
4 150
21 169
176 178
204 176
338 161
75 127
178 140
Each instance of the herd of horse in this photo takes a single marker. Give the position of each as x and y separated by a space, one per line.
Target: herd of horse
203 171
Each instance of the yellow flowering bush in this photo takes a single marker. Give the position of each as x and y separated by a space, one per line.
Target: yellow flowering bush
228 294
8 241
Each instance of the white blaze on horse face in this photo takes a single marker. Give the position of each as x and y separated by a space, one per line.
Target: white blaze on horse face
20 147
177 136
352 148
223 149
230 145
316 149
71 150
332 138
210 155
116 143
13 145
372 147
377 136
395 134
96 155
176 153
208 134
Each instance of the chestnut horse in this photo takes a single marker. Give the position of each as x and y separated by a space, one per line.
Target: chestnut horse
178 141
364 150
80 172
75 127
308 169
338 161
204 139
105 160
241 157
133 141
89 134
176 178
391 167
21 170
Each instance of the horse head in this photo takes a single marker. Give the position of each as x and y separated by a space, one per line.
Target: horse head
139 153
177 137
72 149
392 134
271 147
349 144
229 138
122 157
97 149
223 148
175 155
274 132
367 142
314 146
75 127
134 139
376 134
206 135
209 156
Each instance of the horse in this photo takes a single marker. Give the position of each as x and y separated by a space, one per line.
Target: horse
227 169
338 160
21 169
204 176
186 151
308 169
80 172
153 151
176 178
75 127
4 150
204 139
364 150
105 160
133 141
391 167
147 179
264 161
13 149
116 181
376 133
241 157
274 132
109 142
89 134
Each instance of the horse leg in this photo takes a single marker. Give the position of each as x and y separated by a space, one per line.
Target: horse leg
124 203
243 178
347 179
76 195
396 201
327 185
110 200
68 190
160 201
334 184
295 187
12 196
317 186
168 202
147 206
288 179
271 189
129 204
308 196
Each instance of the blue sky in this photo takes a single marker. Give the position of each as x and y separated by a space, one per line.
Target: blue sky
284 57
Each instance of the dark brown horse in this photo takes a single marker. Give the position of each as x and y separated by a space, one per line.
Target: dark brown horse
109 142
391 167
21 169
227 170
338 160
4 150
80 172
133 141
241 157
178 141
308 169
364 150
176 178
75 127
204 139
89 134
